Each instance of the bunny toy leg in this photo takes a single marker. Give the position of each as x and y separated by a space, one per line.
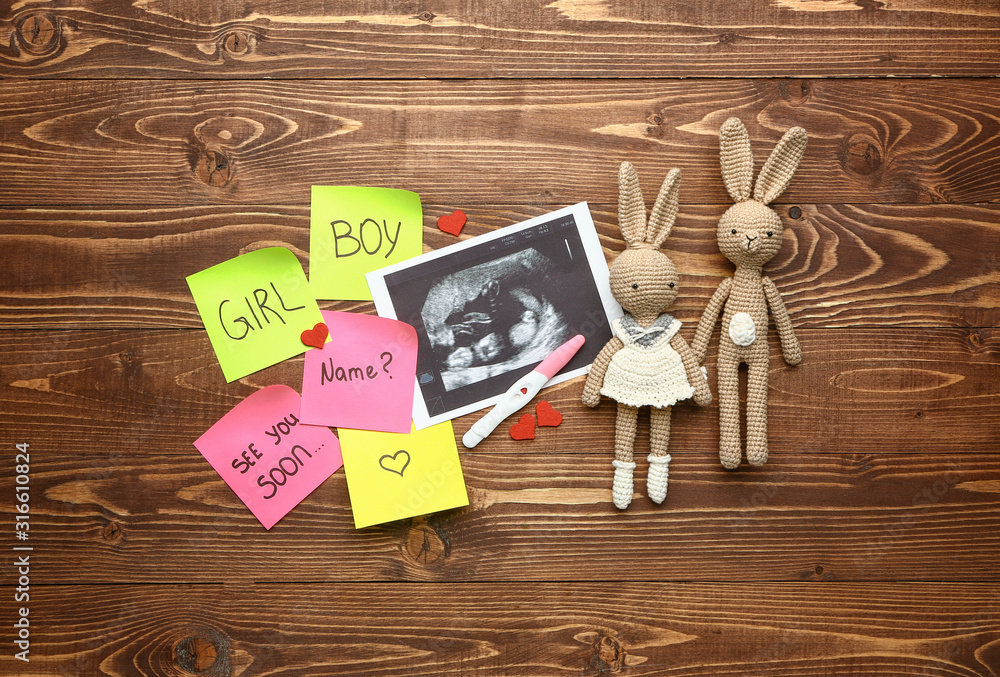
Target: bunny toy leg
757 412
659 440
625 425
729 407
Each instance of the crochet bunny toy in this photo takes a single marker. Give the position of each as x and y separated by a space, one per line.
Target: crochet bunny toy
646 362
749 235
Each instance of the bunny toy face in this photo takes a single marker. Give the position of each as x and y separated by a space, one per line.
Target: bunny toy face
750 233
644 282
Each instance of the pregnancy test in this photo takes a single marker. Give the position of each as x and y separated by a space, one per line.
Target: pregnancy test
521 392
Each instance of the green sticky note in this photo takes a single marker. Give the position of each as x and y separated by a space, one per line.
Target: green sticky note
255 308
353 231
391 476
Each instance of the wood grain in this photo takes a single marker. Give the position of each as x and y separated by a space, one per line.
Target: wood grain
863 391
504 39
840 266
483 629
144 140
128 517
475 143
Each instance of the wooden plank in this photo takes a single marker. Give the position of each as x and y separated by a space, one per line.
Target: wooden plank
453 39
458 142
866 391
840 266
523 629
129 515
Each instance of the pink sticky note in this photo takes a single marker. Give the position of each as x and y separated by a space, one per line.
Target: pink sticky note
364 376
270 458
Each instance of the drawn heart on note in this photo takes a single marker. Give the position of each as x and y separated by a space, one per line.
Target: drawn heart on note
399 460
452 223
547 416
524 429
316 336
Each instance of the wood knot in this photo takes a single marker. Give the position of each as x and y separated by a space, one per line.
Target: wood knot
655 119
426 544
862 156
798 92
976 340
214 168
39 34
818 573
795 212
727 38
609 654
239 43
426 16
200 656
113 533
127 358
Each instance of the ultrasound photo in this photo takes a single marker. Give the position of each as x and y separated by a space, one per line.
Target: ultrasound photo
496 317
488 310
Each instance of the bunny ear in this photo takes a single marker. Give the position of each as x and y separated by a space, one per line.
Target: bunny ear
661 220
778 169
737 159
631 208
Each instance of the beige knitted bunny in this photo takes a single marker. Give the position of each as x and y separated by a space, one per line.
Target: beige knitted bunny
749 234
646 362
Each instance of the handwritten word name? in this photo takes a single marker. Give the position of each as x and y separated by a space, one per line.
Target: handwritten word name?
364 237
260 300
329 373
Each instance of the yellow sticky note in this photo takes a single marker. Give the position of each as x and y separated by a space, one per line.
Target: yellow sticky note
355 230
391 476
255 308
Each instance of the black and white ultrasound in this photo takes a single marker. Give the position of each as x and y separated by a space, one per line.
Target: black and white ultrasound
495 317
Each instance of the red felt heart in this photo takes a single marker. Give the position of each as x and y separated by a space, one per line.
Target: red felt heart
524 429
452 223
547 416
316 336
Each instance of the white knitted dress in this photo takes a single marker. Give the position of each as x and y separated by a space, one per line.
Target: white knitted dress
646 371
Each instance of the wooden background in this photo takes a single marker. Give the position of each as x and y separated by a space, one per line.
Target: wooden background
143 141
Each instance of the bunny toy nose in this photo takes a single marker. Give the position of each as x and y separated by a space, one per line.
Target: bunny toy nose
749 240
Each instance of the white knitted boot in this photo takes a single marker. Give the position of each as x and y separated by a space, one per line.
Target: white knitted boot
621 490
656 480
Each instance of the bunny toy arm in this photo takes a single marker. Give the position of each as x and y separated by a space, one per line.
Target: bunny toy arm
706 325
789 343
595 379
695 376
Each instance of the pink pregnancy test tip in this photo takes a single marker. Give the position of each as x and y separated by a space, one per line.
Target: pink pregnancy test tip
551 365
